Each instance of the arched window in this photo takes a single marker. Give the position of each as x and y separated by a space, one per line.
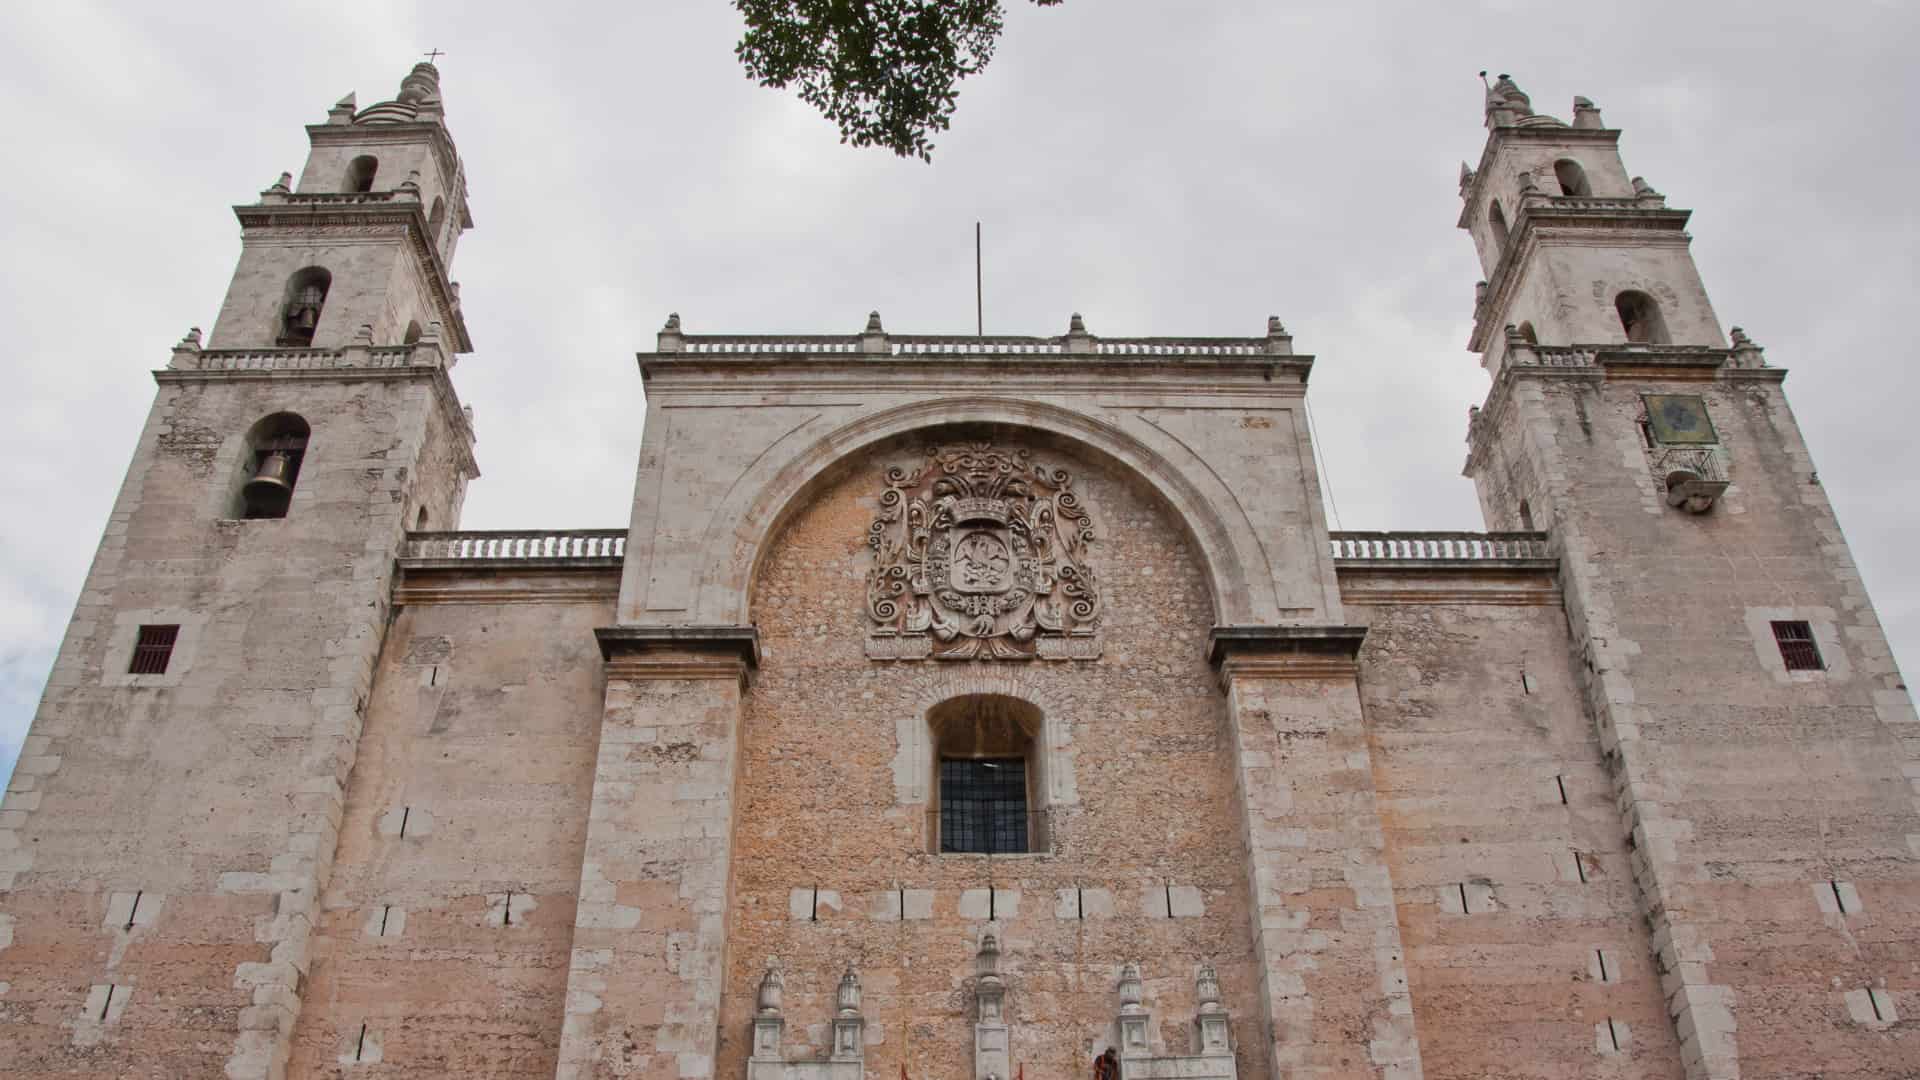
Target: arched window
1573 178
435 220
1640 317
300 314
420 520
413 332
1498 219
360 173
275 448
987 776
1527 334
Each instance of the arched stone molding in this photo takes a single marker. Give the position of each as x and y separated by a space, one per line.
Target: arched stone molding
775 487
913 736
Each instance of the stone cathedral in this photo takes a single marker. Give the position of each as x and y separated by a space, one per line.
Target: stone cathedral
966 708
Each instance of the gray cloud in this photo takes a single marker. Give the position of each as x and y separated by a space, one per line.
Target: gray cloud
1172 169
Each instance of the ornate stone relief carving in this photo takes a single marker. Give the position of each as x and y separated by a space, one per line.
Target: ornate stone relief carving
980 553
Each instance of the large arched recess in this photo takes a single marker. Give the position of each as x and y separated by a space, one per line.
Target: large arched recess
757 507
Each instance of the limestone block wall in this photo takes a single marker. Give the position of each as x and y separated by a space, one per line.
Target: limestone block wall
1528 953
1757 797
164 835
831 863
443 938
377 281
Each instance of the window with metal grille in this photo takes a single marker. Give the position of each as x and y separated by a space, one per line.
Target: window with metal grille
983 805
153 650
1797 646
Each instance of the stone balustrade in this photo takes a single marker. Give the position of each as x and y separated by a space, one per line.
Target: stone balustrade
515 545
420 354
929 345
338 198
1438 547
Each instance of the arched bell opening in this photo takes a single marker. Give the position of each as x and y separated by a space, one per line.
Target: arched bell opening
270 469
1641 319
360 174
300 312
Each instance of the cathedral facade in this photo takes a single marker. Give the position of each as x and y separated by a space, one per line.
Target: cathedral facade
992 707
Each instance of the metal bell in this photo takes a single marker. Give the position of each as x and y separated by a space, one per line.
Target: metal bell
268 491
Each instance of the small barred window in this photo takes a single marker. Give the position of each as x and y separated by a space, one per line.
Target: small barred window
153 650
983 805
1797 647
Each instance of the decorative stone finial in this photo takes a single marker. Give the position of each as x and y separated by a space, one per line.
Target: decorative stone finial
1514 96
1076 325
1130 988
411 185
1586 114
874 338
1746 354
673 324
363 337
1641 187
282 186
772 989
192 341
668 340
343 110
1466 179
422 84
1207 987
1278 340
847 998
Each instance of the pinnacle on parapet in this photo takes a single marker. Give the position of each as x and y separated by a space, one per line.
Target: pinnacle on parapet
282 186
673 323
343 110
1076 325
1585 113
873 324
668 340
411 185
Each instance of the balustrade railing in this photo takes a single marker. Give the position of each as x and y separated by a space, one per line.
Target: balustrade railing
288 359
905 345
1439 546
341 198
516 546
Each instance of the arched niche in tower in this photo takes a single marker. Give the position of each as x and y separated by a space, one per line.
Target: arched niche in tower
1572 178
360 173
1640 318
270 467
1497 220
300 310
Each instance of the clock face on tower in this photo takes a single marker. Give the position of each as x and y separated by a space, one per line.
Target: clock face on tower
1679 419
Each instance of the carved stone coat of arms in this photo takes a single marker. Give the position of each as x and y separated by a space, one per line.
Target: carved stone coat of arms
980 553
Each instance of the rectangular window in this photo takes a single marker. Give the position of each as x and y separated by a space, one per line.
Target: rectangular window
153 650
1797 646
983 805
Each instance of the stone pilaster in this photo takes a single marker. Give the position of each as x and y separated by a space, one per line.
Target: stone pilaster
649 944
1333 973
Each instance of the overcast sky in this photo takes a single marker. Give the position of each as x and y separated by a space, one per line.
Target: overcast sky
1164 168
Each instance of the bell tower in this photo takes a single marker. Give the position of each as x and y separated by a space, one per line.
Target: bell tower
173 816
1739 684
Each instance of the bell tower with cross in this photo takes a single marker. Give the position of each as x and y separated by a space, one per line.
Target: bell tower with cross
176 813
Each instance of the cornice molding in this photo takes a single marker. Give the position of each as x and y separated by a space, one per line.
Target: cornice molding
444 395
407 218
